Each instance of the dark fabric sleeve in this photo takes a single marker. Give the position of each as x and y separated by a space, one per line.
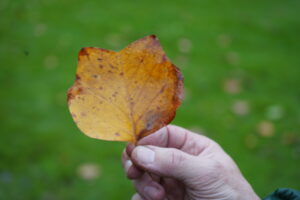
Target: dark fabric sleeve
284 194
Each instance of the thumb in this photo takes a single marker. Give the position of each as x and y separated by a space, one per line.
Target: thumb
167 162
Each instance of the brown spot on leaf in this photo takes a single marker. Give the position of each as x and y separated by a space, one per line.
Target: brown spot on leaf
117 134
70 96
121 74
72 92
114 94
162 89
164 58
112 66
101 66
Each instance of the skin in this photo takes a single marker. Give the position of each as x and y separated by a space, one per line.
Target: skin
177 164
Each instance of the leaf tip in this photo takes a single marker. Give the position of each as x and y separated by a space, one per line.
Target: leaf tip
153 36
83 52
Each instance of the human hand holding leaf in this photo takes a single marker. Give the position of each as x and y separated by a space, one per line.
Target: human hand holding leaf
126 95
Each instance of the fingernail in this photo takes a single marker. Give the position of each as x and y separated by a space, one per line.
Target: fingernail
128 164
150 191
144 155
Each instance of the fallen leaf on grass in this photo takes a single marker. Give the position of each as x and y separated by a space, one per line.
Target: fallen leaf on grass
240 107
89 171
266 129
232 86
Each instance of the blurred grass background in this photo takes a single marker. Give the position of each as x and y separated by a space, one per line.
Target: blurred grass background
241 64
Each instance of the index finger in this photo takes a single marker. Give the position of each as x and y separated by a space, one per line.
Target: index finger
176 137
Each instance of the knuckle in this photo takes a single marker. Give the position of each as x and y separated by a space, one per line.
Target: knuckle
176 158
217 165
216 169
211 173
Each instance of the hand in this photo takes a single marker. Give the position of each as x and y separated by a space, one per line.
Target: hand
176 164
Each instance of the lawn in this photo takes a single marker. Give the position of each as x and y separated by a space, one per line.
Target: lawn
240 61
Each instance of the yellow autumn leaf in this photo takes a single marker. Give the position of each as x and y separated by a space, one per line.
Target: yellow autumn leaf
126 95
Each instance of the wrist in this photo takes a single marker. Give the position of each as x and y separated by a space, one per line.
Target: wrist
246 193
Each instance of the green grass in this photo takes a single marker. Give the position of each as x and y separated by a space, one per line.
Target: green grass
255 42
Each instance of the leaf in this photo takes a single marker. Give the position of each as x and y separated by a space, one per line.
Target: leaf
126 95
